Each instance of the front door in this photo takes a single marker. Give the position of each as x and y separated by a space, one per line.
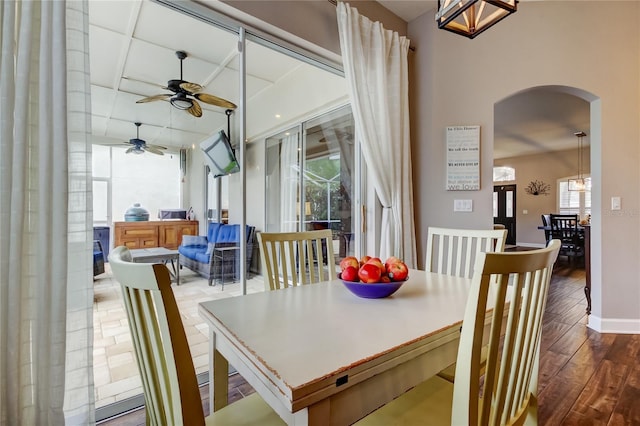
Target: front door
504 209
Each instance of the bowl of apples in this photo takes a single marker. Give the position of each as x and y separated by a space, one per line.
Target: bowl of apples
369 278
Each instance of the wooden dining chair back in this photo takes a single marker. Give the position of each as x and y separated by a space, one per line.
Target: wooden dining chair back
509 385
171 392
546 223
564 227
505 307
295 258
454 251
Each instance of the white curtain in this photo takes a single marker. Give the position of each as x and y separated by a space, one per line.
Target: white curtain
376 69
289 181
46 294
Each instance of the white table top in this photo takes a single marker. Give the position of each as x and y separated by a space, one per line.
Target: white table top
307 337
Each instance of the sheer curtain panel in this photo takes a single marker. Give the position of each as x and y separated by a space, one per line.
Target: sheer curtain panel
376 69
289 205
46 294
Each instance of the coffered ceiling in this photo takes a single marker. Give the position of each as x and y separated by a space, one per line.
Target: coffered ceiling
133 45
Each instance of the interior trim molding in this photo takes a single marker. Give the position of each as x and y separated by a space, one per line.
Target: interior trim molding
614 325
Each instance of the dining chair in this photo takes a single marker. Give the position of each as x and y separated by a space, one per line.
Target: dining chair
171 392
564 227
517 284
546 223
295 258
453 251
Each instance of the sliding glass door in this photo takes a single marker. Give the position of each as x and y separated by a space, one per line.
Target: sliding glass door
315 190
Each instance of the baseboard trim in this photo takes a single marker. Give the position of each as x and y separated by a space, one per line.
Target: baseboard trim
614 325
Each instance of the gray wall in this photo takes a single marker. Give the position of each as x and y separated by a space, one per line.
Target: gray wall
547 168
458 81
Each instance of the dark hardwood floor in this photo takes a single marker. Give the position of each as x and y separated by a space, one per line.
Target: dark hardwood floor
586 378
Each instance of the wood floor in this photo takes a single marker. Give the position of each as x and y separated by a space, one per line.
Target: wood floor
586 378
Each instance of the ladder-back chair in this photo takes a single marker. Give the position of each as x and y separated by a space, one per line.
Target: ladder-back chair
171 392
294 258
564 227
517 284
454 251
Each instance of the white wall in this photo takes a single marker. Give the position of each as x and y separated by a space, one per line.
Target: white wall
592 47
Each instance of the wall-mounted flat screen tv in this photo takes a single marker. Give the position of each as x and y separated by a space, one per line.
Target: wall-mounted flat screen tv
219 155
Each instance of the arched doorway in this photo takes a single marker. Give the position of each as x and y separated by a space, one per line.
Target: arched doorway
534 132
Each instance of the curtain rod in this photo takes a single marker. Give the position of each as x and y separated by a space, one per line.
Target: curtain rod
335 3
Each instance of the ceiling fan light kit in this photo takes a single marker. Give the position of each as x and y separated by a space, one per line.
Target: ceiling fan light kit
471 17
139 146
181 101
186 95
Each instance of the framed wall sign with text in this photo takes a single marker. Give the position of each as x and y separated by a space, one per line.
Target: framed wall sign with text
463 158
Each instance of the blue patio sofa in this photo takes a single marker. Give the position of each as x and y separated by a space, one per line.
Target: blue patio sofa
197 252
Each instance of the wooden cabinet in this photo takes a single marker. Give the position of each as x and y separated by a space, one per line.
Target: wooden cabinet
168 234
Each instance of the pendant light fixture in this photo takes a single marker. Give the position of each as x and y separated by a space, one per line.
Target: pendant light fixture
578 184
471 17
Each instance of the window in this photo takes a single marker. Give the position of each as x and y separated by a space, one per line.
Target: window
574 202
504 174
120 179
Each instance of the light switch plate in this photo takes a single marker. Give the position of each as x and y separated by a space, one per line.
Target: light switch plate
462 205
615 203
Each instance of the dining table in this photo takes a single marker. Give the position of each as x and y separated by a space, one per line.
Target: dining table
320 355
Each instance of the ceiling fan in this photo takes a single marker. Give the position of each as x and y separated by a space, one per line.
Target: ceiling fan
186 94
138 146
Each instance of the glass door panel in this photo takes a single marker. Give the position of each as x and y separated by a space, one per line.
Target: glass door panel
328 177
282 203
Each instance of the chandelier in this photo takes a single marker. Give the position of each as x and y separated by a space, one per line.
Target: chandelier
471 17
578 184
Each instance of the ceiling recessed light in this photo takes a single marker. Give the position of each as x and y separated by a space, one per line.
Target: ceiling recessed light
277 115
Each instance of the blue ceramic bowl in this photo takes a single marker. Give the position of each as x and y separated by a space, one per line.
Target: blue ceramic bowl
373 291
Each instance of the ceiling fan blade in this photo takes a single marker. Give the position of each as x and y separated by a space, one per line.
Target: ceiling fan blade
153 150
190 87
214 100
195 109
154 98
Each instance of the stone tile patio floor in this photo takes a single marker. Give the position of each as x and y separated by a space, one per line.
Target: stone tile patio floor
115 369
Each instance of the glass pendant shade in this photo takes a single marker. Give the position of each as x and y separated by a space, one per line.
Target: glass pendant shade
577 185
580 183
471 17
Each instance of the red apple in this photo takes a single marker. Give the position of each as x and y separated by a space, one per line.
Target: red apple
390 261
398 271
376 261
364 259
350 273
385 279
369 273
349 261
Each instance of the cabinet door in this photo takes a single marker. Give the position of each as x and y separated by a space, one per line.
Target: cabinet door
169 236
135 235
171 233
